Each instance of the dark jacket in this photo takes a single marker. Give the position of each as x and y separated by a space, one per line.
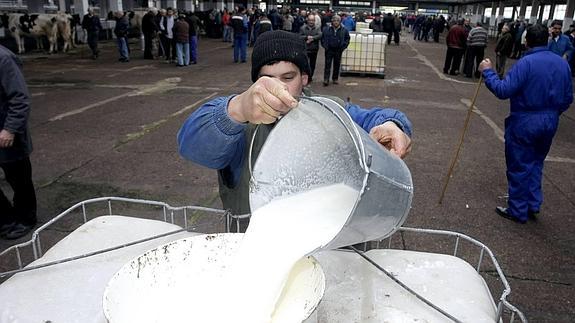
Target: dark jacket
149 25
14 107
504 44
194 23
376 25
181 31
122 25
332 39
388 24
263 25
315 32
239 24
91 23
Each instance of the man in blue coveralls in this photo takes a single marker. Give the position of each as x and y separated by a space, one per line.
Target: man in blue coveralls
217 135
540 89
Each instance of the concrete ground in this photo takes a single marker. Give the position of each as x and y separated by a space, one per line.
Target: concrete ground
105 128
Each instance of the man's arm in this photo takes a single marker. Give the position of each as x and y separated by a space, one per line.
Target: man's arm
211 138
506 88
369 118
389 127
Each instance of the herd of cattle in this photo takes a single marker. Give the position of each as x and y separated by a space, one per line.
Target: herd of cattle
52 27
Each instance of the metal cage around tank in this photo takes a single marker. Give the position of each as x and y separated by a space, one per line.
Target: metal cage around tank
16 258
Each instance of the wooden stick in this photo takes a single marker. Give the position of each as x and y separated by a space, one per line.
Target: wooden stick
465 127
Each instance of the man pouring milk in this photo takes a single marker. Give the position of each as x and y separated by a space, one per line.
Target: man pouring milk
218 134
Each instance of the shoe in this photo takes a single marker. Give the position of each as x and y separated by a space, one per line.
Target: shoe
178 65
18 231
193 62
454 73
533 215
335 82
502 211
243 62
325 83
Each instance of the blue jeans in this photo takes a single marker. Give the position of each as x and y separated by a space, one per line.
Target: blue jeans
183 53
194 48
240 47
228 33
123 48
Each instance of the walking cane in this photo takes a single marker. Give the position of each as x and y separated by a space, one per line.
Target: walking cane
463 132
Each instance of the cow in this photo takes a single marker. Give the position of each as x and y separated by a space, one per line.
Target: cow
34 25
64 27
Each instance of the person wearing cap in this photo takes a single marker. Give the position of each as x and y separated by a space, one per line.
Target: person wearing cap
218 134
240 27
539 87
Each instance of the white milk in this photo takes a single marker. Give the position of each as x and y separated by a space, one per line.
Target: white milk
279 234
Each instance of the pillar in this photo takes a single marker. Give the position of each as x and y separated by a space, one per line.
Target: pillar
522 9
541 9
62 5
492 21
172 4
501 10
568 20
551 11
373 7
534 11
479 10
81 7
416 7
115 5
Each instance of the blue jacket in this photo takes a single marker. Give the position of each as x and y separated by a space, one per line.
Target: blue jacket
212 139
540 81
348 23
562 46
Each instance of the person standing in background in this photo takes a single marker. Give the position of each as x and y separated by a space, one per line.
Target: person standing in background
91 23
476 43
182 39
17 218
503 50
240 27
311 34
334 40
121 32
559 43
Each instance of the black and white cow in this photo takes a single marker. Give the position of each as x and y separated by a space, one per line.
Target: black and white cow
36 26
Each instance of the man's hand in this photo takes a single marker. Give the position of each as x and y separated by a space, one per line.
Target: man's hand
6 139
392 137
263 102
485 64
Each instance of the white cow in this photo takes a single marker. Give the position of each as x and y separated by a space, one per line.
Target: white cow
34 25
64 27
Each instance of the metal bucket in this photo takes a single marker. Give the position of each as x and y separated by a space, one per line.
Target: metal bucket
319 144
156 287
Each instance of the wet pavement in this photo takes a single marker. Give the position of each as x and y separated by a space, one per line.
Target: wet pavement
106 128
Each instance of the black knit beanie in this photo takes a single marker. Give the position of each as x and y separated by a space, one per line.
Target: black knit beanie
276 46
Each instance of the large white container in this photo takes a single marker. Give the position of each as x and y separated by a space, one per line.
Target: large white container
365 54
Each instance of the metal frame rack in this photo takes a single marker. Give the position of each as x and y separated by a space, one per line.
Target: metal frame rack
24 253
